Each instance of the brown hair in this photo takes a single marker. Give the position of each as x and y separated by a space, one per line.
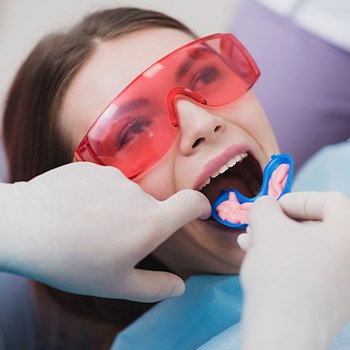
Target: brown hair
35 144
34 100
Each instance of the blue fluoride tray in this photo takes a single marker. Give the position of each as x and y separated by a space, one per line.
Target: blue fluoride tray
274 163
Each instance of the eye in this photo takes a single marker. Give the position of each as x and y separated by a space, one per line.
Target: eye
132 131
204 77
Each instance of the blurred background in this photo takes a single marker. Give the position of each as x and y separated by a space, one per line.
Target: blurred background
23 23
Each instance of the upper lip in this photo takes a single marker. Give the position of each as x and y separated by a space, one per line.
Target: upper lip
213 165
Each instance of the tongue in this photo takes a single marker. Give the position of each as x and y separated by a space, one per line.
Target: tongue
245 176
225 183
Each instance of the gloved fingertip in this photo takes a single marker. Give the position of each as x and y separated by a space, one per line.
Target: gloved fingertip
178 290
244 241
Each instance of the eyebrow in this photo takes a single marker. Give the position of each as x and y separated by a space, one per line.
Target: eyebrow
184 68
132 105
190 61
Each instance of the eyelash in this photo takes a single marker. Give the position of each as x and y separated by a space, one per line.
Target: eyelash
135 126
210 72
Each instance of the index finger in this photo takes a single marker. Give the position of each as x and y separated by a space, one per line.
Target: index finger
170 215
177 211
311 205
184 207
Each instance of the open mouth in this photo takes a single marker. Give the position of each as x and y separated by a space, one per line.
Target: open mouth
243 173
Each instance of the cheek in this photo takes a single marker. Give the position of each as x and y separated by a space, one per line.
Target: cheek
257 125
159 181
249 115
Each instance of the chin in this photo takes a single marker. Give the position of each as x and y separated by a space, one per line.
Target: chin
202 247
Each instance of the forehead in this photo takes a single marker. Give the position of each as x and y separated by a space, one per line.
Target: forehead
113 65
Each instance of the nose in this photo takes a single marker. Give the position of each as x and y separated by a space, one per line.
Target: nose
197 126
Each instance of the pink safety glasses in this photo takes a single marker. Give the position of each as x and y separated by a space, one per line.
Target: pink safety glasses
141 123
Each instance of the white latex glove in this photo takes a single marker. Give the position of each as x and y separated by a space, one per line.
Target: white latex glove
296 275
82 228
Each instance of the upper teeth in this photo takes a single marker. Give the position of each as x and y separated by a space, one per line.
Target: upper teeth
232 162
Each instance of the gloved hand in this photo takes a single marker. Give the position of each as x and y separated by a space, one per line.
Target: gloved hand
82 228
295 274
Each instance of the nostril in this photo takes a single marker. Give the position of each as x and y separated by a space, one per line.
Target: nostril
197 142
217 128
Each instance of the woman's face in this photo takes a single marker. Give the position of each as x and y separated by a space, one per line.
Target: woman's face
208 139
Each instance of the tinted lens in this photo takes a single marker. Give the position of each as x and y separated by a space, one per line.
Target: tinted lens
134 134
135 130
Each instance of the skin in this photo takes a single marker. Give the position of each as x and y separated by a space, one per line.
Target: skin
200 246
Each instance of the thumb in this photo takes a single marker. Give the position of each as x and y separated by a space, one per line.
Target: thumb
152 286
311 205
183 207
263 217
